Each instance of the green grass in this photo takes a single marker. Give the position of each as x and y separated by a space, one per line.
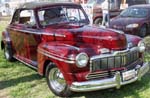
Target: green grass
19 81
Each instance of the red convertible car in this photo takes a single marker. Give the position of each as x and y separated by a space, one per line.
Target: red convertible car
56 40
134 20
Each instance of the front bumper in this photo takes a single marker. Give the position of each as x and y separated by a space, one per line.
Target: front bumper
116 81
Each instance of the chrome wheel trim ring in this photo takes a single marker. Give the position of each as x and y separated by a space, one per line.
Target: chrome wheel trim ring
143 31
56 80
7 54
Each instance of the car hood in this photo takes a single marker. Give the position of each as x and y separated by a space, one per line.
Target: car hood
100 37
123 21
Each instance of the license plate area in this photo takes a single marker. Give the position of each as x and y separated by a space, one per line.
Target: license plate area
128 75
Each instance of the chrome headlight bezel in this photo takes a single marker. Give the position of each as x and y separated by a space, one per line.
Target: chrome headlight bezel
141 46
134 25
82 60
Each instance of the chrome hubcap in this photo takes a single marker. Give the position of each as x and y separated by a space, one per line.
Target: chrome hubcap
6 54
143 31
56 80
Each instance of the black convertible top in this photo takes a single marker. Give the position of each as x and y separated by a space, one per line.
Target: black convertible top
35 5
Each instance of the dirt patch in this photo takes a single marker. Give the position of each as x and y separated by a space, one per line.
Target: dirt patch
4 94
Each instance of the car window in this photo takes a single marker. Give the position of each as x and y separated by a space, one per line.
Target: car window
92 1
61 14
27 17
133 2
100 1
15 19
135 12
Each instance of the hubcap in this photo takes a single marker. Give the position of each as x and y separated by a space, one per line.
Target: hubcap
56 80
143 32
6 54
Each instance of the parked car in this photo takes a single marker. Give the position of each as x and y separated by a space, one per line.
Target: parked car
97 10
56 40
114 8
134 20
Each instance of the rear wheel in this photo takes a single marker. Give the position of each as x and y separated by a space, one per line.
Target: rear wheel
98 21
8 53
56 81
143 31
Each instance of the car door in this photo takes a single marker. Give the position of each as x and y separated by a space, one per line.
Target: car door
25 37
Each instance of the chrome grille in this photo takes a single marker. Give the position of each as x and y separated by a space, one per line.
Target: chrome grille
120 60
103 74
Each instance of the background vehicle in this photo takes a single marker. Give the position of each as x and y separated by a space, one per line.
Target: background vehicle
56 40
133 20
114 8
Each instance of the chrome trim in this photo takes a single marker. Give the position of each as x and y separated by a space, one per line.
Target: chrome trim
114 53
96 75
59 35
49 34
7 39
77 62
51 56
26 31
117 31
40 33
116 81
25 63
56 80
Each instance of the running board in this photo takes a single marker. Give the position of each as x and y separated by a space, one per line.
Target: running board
29 65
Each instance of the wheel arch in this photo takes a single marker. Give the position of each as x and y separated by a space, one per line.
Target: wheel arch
146 24
45 66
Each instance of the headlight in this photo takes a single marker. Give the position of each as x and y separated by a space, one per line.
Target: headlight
82 60
141 46
132 25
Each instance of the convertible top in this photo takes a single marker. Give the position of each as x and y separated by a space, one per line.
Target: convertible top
36 5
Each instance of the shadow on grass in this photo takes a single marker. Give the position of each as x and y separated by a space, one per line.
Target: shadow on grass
133 90
14 82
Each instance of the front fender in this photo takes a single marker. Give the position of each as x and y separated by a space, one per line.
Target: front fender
133 39
57 53
61 54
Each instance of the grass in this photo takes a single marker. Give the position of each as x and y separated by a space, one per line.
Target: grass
19 81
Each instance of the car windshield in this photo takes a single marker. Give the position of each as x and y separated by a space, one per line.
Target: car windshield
134 2
95 1
135 12
62 14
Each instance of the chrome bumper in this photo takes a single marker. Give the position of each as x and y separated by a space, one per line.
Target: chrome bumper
116 81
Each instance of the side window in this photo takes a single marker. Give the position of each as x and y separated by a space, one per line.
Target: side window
15 19
27 18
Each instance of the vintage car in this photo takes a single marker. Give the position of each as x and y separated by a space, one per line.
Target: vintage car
134 20
56 40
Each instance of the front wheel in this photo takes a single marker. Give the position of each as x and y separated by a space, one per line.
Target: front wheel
56 81
143 31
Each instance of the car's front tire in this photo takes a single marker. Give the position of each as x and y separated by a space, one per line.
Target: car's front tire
143 31
56 81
